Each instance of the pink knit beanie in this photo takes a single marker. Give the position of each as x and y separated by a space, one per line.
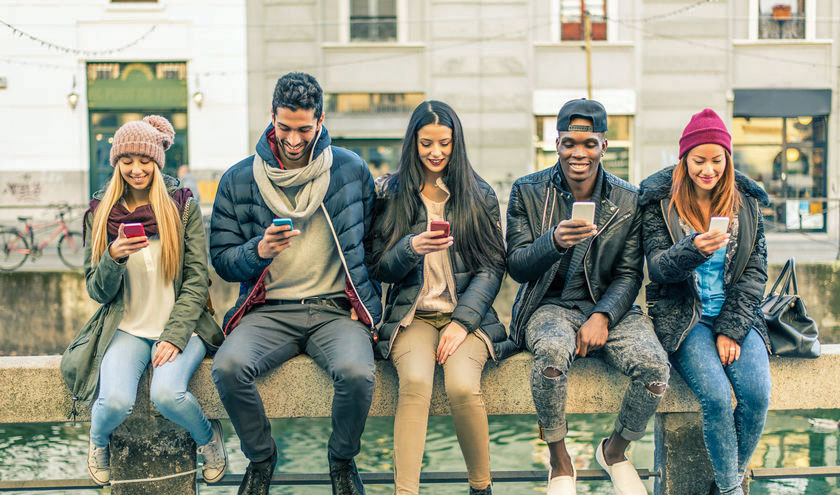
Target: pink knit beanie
149 137
705 128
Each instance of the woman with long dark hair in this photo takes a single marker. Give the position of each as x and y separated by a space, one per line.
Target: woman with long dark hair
439 304
706 286
146 265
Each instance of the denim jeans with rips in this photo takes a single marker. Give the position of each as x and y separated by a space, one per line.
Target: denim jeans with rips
632 348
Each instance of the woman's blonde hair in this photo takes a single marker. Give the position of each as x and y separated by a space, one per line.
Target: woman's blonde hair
725 196
166 215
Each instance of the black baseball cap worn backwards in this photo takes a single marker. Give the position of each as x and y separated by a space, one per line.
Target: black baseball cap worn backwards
587 109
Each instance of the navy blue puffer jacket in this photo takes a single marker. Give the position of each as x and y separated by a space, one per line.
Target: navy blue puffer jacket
240 217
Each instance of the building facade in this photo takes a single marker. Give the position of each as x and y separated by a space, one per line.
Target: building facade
72 72
769 67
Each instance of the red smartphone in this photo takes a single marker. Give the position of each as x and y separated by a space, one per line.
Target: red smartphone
134 230
440 226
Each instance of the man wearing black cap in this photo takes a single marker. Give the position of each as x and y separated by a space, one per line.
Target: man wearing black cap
579 283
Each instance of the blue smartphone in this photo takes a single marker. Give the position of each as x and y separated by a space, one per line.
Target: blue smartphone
283 221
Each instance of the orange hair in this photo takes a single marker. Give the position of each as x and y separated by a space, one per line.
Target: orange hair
725 196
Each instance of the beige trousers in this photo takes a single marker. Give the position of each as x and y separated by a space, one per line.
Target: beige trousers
413 354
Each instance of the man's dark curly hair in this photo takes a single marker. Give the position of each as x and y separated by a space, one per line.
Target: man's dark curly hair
298 90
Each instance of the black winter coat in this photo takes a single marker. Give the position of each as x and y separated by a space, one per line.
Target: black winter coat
402 267
613 261
240 217
673 298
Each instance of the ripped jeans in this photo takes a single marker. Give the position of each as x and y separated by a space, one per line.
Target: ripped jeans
632 348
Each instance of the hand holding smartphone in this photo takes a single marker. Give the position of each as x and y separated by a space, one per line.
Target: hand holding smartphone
134 230
583 210
440 226
720 224
283 221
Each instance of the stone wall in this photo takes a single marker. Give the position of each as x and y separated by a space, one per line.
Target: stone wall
40 312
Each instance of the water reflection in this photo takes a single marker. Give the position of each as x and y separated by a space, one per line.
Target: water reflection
58 451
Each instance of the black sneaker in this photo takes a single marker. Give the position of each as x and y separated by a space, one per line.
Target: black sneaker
483 491
258 475
345 477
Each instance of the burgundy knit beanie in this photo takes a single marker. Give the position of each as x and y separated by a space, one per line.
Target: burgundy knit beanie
149 137
705 128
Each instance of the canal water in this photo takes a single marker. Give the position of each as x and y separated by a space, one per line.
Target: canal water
59 451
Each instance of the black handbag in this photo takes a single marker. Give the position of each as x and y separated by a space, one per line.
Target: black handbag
792 332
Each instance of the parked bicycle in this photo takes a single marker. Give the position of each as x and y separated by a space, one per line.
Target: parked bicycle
16 245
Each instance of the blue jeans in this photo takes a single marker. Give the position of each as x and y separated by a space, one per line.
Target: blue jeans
122 366
730 436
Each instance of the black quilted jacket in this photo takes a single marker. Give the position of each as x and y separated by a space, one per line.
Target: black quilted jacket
402 267
672 296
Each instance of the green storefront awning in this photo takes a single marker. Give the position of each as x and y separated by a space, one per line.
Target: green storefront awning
782 102
137 88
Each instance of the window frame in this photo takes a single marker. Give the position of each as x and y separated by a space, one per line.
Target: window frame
810 23
611 7
344 24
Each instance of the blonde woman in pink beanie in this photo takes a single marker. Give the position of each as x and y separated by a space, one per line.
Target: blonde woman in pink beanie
703 236
146 264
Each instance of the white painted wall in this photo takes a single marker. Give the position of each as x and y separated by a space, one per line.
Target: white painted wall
43 138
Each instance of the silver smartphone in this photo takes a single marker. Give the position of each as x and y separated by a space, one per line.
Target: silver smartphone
719 223
583 210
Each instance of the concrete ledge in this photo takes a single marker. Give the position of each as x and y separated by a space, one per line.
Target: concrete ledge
32 391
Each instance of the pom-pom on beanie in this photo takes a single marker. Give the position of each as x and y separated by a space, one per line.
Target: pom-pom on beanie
705 128
149 137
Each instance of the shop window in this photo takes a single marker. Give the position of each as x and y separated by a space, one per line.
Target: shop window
381 155
787 157
781 19
373 20
619 136
571 19
372 102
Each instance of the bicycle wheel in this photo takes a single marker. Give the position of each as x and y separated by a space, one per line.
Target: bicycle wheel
70 249
14 249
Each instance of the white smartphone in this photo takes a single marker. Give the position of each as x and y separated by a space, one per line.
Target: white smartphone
583 210
719 223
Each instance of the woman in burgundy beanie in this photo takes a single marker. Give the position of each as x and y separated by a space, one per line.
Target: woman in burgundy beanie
707 281
146 264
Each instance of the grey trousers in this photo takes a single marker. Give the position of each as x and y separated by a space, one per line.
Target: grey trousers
270 335
632 348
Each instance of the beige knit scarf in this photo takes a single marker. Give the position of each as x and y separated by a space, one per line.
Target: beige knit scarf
314 177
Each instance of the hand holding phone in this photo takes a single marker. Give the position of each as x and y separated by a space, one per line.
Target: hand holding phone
282 221
134 230
276 238
437 238
125 245
578 228
716 238
440 226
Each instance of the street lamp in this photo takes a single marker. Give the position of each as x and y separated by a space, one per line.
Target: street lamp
73 97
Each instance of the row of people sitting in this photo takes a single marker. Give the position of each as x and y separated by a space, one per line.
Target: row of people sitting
431 233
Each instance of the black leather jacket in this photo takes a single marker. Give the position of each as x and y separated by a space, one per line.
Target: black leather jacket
613 261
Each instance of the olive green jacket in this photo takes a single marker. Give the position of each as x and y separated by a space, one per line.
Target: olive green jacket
80 362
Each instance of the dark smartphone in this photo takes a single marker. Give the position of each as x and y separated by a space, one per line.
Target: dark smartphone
283 221
134 230
440 226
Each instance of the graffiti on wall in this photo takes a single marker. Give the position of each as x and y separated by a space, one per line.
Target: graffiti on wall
27 189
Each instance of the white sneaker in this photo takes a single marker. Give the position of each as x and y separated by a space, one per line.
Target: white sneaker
215 457
562 485
99 464
625 478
